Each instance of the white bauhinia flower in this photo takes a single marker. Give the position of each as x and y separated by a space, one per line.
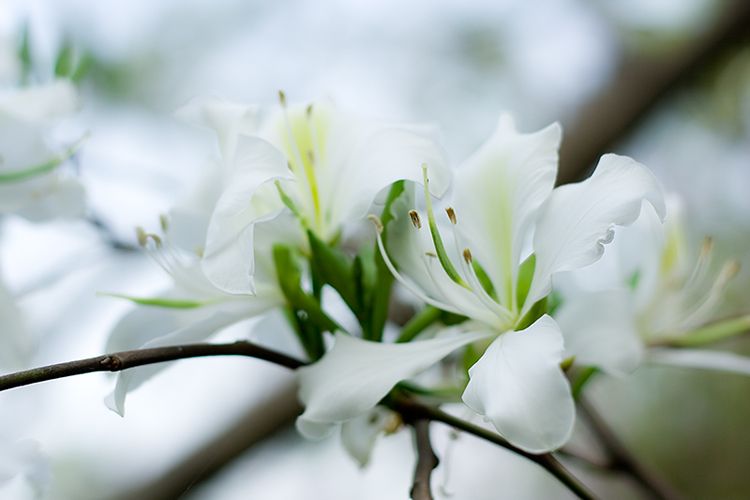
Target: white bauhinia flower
32 182
194 308
648 291
512 231
326 165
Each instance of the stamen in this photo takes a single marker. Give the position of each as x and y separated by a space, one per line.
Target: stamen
282 98
443 258
376 222
701 264
140 233
164 223
415 220
451 215
467 255
702 312
401 279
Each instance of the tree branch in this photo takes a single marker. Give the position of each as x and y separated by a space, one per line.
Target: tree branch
130 359
412 410
409 409
639 85
622 459
427 461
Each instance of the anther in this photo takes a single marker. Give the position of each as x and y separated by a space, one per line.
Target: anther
415 220
376 222
282 98
309 111
164 222
142 236
467 255
451 215
707 245
730 270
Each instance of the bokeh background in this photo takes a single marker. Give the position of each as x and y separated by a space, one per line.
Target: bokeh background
583 63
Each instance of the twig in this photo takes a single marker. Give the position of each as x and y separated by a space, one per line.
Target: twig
410 409
427 461
130 359
622 459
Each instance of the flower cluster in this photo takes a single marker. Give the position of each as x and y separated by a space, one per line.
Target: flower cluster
487 253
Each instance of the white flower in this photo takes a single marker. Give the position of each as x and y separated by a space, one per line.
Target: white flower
328 167
647 291
32 183
503 200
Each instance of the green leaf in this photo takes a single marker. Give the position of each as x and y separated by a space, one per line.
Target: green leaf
64 63
160 301
525 275
538 310
381 292
583 377
305 311
334 267
418 323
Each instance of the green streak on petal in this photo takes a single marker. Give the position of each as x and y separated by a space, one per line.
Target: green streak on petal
442 255
41 169
161 302
713 332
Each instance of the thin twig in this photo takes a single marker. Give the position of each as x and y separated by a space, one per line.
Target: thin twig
409 409
427 461
621 458
130 359
413 410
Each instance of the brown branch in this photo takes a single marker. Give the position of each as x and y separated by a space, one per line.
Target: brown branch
130 359
427 461
639 86
409 409
412 410
620 457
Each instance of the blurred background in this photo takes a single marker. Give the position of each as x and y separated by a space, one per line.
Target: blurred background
665 81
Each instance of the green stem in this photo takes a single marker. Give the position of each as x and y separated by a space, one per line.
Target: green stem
418 323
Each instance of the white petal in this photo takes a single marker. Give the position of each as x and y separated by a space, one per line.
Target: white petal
600 330
40 103
578 219
196 331
701 358
356 374
518 385
229 258
359 434
16 344
385 155
498 193
60 197
228 119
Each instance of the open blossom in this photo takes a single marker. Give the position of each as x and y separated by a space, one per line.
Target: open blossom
325 165
32 181
511 232
649 291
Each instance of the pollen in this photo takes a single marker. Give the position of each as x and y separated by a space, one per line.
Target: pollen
415 220
451 215
467 256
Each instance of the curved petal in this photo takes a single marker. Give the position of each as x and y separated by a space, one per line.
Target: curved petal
143 323
229 257
600 330
40 103
701 358
228 119
518 385
498 192
356 374
386 154
359 434
577 220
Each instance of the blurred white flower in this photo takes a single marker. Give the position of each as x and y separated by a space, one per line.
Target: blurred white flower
23 458
32 182
647 291
503 195
328 167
